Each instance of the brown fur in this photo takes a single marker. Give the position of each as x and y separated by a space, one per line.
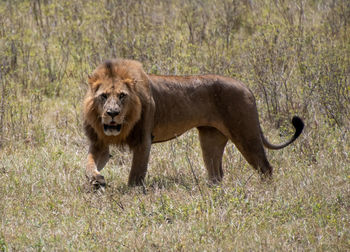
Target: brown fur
159 108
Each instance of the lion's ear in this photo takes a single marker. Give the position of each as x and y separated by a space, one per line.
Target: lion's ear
94 85
91 79
130 81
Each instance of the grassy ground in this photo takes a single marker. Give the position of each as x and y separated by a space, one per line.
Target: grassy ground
295 58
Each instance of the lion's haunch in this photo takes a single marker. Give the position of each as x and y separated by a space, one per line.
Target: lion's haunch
153 108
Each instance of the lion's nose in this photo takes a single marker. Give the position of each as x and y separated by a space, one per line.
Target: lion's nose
113 113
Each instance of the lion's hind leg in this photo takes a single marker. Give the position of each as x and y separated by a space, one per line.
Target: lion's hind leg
253 151
213 143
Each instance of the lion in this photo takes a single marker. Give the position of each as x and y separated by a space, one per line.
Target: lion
126 106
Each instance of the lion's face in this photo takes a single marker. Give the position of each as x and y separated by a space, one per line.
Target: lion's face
112 99
113 102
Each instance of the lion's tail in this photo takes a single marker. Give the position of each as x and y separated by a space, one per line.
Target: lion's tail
298 125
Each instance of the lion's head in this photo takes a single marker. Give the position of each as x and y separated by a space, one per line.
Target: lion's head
113 103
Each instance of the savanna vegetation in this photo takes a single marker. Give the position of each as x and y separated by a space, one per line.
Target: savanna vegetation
294 56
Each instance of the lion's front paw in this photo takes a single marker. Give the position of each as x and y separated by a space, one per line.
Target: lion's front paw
98 181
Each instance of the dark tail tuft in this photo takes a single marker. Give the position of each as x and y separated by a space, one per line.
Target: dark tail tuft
298 125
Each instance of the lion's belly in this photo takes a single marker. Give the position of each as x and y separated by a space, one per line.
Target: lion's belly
168 132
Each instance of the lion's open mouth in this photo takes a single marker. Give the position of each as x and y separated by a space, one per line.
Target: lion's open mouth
112 129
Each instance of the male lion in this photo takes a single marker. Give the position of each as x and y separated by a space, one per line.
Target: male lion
125 106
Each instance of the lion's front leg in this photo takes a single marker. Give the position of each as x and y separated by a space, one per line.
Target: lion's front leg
97 158
140 162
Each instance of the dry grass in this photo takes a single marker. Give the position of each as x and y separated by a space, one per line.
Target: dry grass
49 47
46 205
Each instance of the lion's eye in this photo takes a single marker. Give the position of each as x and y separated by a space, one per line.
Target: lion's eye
103 96
122 95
